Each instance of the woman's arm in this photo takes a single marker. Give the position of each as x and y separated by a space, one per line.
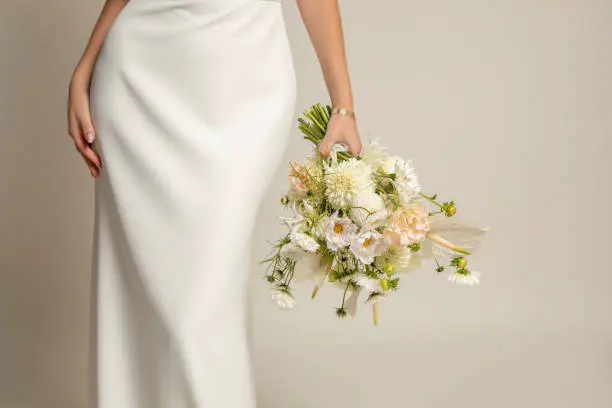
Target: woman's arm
324 26
80 126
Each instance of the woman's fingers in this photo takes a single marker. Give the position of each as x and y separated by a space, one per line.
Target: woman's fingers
354 147
343 130
83 137
89 153
325 146
89 135
89 157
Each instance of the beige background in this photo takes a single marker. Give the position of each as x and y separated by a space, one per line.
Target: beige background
504 106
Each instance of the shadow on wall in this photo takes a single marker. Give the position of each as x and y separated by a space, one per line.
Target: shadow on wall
46 203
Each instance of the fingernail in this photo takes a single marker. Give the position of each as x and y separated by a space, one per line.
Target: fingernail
89 136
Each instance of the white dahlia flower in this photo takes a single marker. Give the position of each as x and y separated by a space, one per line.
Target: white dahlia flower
375 155
339 232
369 209
345 181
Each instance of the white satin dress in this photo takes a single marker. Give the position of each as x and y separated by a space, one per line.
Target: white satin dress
192 101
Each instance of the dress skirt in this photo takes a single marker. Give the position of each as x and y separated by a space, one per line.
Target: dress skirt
192 101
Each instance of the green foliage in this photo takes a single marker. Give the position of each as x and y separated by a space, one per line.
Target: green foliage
394 284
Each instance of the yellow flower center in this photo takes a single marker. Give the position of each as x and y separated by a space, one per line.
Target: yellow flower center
338 228
405 178
367 242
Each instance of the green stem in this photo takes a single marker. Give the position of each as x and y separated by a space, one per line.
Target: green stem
344 295
314 120
430 199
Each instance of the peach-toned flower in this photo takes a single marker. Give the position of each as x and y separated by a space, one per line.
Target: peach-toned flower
301 179
408 224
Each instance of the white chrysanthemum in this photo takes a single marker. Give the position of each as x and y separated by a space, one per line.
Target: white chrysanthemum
366 245
375 155
339 232
369 209
344 182
282 299
306 242
398 255
292 251
406 180
473 278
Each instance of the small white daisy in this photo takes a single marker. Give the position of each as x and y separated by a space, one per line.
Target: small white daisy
339 232
366 245
406 181
282 299
370 285
461 278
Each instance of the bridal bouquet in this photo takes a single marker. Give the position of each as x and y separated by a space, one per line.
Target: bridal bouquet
358 223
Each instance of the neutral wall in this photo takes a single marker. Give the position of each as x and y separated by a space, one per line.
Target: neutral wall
504 106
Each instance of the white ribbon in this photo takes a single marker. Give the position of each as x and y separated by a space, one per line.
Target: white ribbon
337 148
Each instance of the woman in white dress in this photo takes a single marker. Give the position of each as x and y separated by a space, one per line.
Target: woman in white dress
182 109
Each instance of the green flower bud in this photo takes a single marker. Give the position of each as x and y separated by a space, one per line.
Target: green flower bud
462 262
440 269
384 284
414 247
389 269
284 200
450 209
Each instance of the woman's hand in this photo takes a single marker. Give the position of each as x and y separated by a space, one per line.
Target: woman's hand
341 129
80 127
